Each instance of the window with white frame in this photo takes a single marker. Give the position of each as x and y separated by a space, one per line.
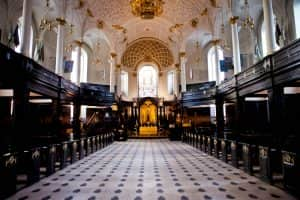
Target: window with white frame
171 79
212 65
124 83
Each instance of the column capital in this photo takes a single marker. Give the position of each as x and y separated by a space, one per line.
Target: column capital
61 21
113 54
216 42
233 19
182 54
118 66
78 42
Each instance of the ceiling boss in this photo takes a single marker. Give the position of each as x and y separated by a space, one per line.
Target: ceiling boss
147 9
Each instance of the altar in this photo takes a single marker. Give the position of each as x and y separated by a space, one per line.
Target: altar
148 130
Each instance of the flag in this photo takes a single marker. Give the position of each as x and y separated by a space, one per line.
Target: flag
16 39
228 63
68 66
223 67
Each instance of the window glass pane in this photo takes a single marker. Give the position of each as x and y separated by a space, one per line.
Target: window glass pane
83 66
74 71
171 82
212 65
297 17
124 83
148 82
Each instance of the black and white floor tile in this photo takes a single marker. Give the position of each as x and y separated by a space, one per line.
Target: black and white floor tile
150 169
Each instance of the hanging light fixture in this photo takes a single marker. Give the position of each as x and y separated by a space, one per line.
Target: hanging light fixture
248 21
147 9
49 24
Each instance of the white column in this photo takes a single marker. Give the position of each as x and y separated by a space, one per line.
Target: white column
183 71
176 79
60 38
26 27
83 109
269 25
112 79
78 64
217 63
235 45
59 50
118 81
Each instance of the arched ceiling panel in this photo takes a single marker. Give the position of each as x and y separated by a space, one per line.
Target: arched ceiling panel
147 49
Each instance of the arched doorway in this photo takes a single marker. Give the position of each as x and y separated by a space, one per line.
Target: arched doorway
147 80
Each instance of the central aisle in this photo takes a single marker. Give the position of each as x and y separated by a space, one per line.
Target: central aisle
150 169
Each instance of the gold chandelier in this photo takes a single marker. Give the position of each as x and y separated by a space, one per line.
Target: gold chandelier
147 9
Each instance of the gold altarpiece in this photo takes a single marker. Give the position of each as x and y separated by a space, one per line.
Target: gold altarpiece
148 117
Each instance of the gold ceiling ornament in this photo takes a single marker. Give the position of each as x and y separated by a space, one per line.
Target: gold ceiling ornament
78 42
100 24
204 12
213 3
171 39
182 54
216 42
194 22
89 13
233 19
175 27
119 28
80 4
113 54
146 9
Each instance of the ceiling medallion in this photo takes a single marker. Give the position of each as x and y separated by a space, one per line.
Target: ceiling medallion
147 9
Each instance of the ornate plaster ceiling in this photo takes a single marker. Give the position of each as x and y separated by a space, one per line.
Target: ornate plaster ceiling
112 21
147 49
118 12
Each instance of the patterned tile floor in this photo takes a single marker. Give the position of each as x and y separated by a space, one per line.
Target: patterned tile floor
150 169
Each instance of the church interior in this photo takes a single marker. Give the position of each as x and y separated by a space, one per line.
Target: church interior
149 99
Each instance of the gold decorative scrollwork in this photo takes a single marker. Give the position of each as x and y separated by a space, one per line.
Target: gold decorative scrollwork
263 152
11 161
53 149
288 158
245 149
233 146
35 154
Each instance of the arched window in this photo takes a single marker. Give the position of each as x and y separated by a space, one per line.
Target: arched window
83 66
148 81
213 66
20 31
124 83
297 17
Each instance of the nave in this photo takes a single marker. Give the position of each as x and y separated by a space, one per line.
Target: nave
150 169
